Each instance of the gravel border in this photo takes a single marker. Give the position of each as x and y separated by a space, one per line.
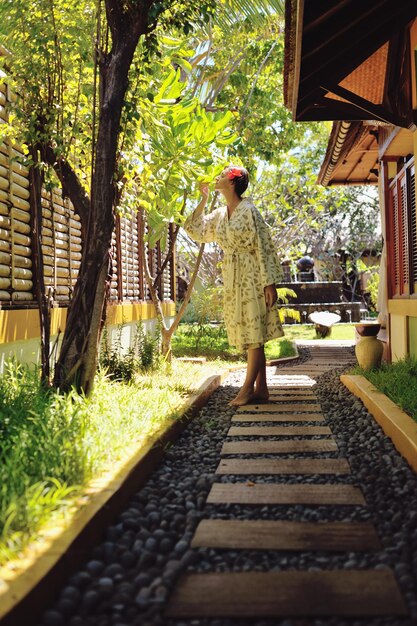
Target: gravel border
127 578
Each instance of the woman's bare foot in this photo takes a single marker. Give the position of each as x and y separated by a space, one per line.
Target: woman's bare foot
243 397
260 397
261 394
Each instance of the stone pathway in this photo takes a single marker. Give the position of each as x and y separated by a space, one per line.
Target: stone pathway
291 593
299 512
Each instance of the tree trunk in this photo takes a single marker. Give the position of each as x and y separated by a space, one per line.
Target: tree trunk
79 352
35 197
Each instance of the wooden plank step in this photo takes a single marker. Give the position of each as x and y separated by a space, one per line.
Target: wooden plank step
312 372
304 383
277 431
289 446
278 391
286 535
273 397
274 417
277 408
322 360
253 493
286 594
283 466
308 366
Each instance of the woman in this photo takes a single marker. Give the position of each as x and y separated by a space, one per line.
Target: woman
250 270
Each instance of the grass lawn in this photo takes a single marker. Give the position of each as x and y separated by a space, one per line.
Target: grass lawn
398 381
211 341
307 331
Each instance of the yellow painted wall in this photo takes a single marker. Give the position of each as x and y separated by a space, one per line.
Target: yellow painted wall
412 336
398 337
23 324
19 329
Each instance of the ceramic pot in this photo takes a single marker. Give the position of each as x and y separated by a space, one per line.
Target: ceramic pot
368 351
368 329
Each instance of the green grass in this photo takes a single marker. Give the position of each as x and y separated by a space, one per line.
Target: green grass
307 331
211 342
279 349
193 340
398 381
52 444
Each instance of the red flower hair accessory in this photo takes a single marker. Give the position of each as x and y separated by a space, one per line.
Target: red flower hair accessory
235 172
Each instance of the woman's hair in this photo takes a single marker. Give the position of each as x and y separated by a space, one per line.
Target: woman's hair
241 182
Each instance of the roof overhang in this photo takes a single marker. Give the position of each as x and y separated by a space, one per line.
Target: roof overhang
352 155
343 60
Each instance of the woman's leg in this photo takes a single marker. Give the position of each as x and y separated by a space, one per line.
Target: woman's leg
261 387
255 375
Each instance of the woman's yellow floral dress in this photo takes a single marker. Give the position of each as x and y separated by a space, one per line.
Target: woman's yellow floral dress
250 264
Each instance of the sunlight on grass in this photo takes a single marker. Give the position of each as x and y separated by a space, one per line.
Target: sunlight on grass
279 349
398 381
307 331
51 445
211 341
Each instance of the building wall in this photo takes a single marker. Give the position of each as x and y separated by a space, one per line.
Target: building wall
403 328
19 328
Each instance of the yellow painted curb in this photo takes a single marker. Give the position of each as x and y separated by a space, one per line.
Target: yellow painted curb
395 423
21 579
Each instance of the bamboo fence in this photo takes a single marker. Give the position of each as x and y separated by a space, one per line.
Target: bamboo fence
61 240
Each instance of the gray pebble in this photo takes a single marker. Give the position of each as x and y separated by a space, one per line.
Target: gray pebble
181 547
143 597
94 567
90 599
105 584
53 618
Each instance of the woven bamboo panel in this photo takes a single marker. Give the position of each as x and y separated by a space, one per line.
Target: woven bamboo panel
61 239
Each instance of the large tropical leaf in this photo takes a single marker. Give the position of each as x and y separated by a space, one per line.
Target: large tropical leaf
231 12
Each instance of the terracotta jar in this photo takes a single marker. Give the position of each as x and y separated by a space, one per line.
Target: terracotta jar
369 348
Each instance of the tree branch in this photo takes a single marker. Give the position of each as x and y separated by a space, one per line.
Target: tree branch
168 255
70 182
114 15
171 244
187 295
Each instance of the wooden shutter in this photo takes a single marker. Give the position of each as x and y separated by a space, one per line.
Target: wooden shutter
403 252
395 249
413 213
403 237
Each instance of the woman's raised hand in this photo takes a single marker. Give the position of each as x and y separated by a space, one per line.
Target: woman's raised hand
204 190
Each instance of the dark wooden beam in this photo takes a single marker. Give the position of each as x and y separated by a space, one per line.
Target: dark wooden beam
370 110
397 89
358 33
322 109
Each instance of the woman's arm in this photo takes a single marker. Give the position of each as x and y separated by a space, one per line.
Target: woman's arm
204 189
202 227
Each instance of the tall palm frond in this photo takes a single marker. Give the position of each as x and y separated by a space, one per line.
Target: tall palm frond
231 12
